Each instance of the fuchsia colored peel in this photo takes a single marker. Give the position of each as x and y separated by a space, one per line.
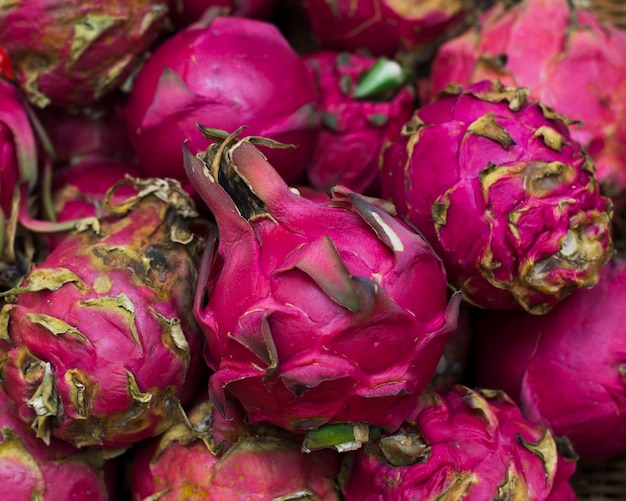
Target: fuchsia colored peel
30 469
363 101
191 79
462 445
567 369
569 61
68 52
505 195
384 27
214 459
99 345
302 300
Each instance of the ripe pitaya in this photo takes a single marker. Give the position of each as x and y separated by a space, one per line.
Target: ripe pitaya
32 470
506 197
217 460
234 71
184 12
566 369
301 301
98 342
77 133
18 165
77 192
385 27
363 100
568 60
462 445
67 52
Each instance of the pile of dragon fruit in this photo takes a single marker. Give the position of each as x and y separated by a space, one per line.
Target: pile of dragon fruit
310 249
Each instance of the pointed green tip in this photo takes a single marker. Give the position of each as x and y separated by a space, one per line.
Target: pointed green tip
386 75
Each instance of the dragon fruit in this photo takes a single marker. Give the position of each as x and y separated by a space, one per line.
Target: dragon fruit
216 459
566 369
504 195
77 193
363 100
462 445
566 57
18 165
184 12
99 346
300 301
87 131
32 470
385 27
66 52
204 74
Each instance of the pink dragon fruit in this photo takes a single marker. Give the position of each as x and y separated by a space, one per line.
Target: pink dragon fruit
18 165
385 27
87 131
99 344
218 460
462 445
566 369
300 301
77 195
205 74
568 60
184 12
32 470
504 195
66 52
363 100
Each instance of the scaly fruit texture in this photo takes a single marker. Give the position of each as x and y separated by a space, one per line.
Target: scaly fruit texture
77 192
363 100
214 459
98 343
65 52
313 312
462 445
385 27
229 72
506 197
566 369
569 61
32 470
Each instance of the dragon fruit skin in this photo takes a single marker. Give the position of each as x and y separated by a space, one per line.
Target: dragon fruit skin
65 52
34 470
99 344
192 78
567 368
184 12
230 460
454 361
384 27
353 127
569 61
322 291
503 194
80 133
463 445
18 148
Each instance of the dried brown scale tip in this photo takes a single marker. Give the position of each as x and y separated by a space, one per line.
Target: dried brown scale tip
100 347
